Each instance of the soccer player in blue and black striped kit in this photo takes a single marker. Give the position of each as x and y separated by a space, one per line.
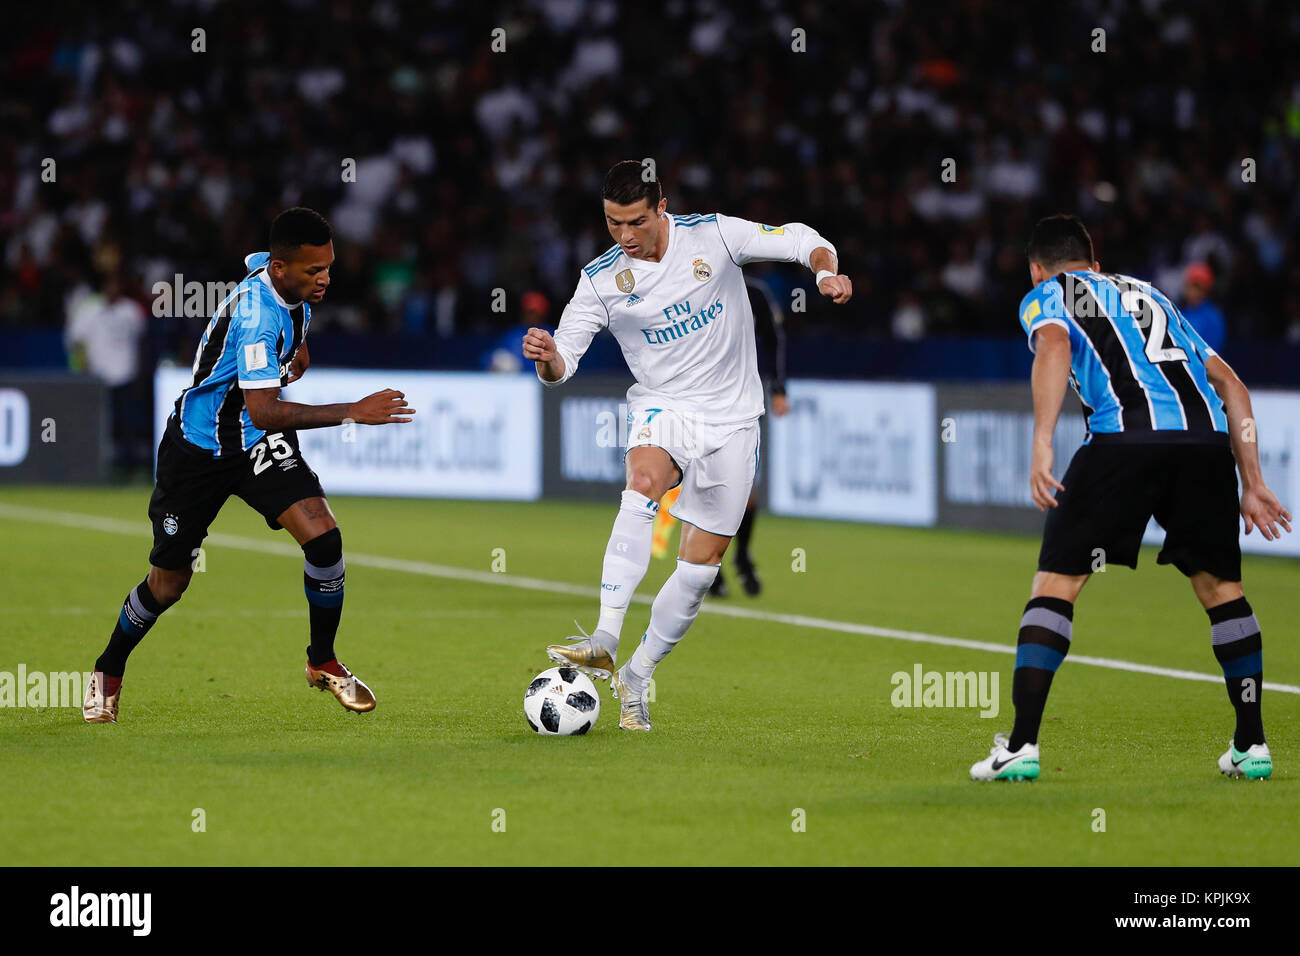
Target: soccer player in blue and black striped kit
231 434
1166 418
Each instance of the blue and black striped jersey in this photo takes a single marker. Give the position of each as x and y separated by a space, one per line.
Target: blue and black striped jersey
249 343
1137 364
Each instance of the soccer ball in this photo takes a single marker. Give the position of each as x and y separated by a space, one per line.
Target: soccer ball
562 700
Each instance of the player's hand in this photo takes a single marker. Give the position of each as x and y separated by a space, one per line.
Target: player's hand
301 360
381 408
1041 481
780 405
839 288
1262 510
539 346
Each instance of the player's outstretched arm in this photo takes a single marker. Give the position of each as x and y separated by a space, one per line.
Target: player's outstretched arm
1048 379
1259 506
749 241
271 415
539 346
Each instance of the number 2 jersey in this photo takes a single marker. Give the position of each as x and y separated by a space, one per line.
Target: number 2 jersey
684 323
1136 363
249 343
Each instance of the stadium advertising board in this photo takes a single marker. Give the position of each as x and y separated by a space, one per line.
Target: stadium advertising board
984 446
892 453
1278 418
855 450
585 423
52 429
474 435
984 439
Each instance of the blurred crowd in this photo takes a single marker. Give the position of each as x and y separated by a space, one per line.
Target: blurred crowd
479 169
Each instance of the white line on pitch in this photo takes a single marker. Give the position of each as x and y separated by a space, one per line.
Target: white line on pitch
86 522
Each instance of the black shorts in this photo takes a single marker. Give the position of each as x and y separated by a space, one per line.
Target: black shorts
192 486
1112 489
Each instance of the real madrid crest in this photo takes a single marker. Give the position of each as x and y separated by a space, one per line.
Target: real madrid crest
625 280
701 270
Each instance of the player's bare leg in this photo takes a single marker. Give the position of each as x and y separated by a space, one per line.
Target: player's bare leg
142 607
1065 587
1235 637
168 586
702 547
651 471
312 525
1045 633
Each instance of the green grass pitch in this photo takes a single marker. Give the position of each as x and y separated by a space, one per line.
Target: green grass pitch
755 719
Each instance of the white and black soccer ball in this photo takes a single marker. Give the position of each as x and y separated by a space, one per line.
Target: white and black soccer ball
562 700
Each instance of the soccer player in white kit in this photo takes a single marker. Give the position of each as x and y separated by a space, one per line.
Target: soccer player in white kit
672 292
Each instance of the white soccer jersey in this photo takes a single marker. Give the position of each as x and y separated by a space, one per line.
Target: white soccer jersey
684 323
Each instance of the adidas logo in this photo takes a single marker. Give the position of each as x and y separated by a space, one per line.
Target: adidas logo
632 299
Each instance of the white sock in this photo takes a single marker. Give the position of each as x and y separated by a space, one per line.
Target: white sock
676 606
627 556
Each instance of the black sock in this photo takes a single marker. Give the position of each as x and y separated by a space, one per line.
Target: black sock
743 561
1238 648
323 581
1045 632
139 612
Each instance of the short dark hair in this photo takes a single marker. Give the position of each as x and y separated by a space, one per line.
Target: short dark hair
296 227
625 185
1060 238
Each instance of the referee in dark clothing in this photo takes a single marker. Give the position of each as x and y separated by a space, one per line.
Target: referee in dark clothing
769 329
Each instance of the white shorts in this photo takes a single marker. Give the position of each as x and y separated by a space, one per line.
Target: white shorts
718 463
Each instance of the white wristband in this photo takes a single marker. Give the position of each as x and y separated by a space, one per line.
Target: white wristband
824 274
